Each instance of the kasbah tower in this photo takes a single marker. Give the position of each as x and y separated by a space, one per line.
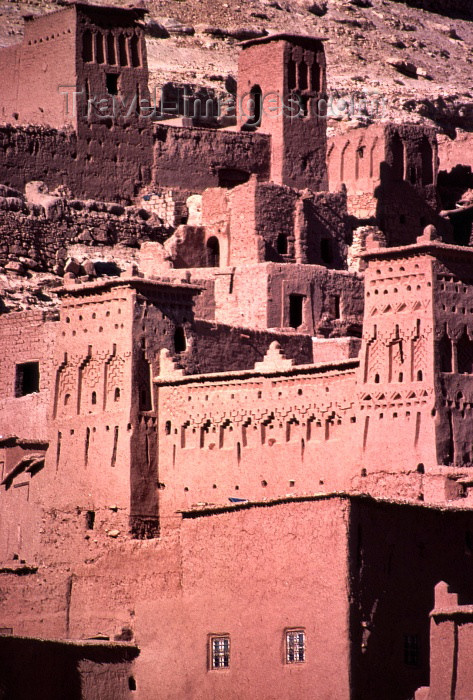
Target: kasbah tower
236 420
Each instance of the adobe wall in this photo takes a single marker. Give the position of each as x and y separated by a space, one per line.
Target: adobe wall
298 143
51 670
256 434
42 238
258 296
397 368
453 288
453 152
240 574
191 158
398 554
27 336
451 639
38 68
101 161
390 172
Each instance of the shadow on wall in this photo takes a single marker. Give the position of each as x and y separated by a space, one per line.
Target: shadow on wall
402 211
53 670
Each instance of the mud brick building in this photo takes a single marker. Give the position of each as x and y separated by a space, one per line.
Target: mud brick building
236 419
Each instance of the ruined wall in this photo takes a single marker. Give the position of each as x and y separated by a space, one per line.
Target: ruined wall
258 296
194 158
39 68
26 337
40 240
390 173
102 161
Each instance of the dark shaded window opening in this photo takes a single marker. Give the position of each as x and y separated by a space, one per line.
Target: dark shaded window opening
296 302
255 105
291 75
303 76
315 77
445 353
426 153
111 55
122 54
281 244
397 149
116 396
180 343
465 354
90 519
112 83
419 375
326 252
27 378
231 177
213 252
411 650
412 175
99 48
167 427
94 398
135 52
131 683
335 306
87 53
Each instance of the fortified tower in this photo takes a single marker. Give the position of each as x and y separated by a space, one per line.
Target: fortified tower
281 81
416 370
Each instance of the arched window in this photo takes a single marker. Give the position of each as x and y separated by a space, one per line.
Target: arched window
445 353
427 161
66 399
255 105
87 54
397 150
180 343
213 252
465 354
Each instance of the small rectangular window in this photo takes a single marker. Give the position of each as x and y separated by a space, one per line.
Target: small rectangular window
219 651
112 83
27 378
296 302
295 646
411 650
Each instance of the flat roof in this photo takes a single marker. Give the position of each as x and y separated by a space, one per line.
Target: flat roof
280 37
87 288
422 248
206 509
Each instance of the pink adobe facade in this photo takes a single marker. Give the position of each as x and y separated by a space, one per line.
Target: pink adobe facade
237 466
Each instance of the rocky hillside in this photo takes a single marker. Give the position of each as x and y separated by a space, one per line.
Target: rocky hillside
406 62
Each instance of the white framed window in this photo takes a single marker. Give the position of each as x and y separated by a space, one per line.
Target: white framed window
219 651
295 646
